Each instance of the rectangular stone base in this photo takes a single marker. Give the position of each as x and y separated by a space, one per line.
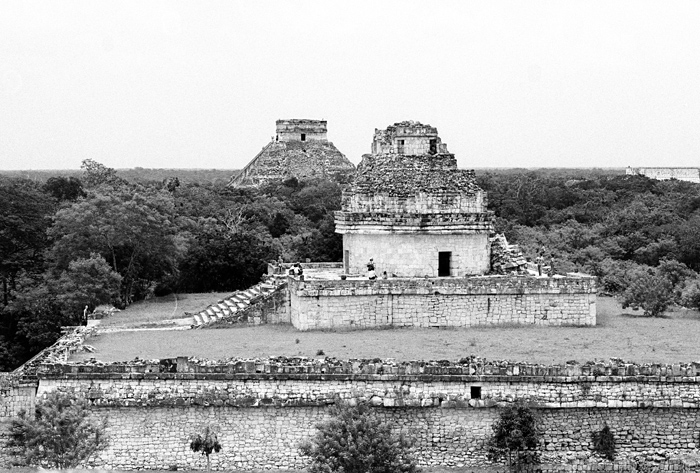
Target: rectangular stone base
442 302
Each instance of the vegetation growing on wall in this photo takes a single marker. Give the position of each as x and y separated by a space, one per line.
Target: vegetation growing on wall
515 437
59 434
604 443
354 440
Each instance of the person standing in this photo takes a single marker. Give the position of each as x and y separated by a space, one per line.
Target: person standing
371 274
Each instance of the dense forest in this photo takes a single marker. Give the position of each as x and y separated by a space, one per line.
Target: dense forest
71 242
100 236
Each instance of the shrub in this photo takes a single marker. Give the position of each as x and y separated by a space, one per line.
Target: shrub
651 292
690 294
355 440
604 443
207 443
515 437
61 433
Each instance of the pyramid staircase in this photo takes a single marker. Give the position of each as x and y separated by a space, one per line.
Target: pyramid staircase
235 308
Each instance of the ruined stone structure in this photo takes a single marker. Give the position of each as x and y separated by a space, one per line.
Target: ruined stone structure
412 211
299 149
663 174
265 408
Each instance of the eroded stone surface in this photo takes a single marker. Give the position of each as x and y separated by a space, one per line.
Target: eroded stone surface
287 155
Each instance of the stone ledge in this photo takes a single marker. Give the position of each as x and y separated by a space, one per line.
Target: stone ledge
468 369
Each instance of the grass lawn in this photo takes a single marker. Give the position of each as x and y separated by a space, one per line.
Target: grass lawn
158 309
619 334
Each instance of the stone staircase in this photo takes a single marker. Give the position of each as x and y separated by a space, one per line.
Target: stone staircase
235 307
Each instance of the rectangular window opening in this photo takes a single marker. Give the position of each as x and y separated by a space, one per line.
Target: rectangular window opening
303 137
476 392
433 146
444 263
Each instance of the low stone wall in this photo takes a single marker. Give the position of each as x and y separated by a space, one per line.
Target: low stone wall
443 302
265 408
269 438
285 382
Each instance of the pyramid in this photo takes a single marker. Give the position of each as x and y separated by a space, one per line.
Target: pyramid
299 149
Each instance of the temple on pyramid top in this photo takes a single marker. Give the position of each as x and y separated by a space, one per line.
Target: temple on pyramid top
300 148
413 211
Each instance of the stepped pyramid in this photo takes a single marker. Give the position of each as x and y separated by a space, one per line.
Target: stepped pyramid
299 149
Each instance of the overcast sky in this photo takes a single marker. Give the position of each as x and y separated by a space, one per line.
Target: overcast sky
200 84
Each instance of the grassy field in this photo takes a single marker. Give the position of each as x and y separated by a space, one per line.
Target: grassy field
156 310
619 334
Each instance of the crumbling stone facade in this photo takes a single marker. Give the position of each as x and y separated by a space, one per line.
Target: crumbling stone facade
663 174
299 149
412 211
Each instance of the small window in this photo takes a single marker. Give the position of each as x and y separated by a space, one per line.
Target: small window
303 137
476 392
444 263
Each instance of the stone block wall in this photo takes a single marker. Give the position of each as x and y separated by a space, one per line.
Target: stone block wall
442 302
291 130
268 437
264 409
416 255
420 203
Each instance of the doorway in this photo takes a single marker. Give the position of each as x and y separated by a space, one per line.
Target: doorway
444 263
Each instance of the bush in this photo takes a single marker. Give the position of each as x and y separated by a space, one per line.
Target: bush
690 293
60 434
207 443
604 443
515 437
355 440
651 292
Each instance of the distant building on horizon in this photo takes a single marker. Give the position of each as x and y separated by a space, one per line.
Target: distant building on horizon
664 174
300 148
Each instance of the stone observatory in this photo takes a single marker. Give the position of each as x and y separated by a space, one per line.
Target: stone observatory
413 211
300 148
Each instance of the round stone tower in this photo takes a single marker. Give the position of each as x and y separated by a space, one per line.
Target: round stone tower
412 211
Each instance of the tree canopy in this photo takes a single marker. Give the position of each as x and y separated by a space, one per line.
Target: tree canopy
59 434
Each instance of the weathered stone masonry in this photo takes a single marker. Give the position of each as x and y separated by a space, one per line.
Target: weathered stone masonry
440 302
265 408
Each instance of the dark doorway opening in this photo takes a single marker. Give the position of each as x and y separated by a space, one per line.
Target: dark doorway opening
399 146
444 262
433 146
475 392
303 137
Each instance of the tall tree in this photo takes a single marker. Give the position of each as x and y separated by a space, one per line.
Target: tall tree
25 214
64 188
132 229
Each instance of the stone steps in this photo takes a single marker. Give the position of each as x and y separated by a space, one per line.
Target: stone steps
236 302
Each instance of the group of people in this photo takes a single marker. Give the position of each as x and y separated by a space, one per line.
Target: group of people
371 271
